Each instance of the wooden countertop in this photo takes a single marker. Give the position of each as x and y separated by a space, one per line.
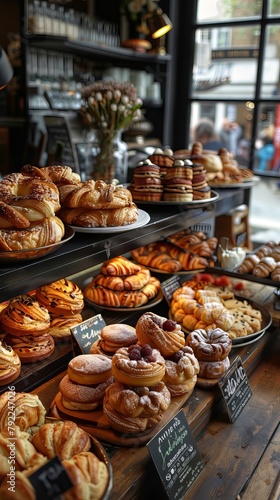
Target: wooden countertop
241 459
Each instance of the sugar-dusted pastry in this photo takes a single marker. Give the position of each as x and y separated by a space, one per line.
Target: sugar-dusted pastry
83 397
114 336
211 345
181 372
90 369
138 365
133 409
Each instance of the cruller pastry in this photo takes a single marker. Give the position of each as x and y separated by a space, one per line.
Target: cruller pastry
138 365
181 371
211 345
161 333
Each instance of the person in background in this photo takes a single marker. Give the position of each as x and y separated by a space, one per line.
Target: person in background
243 152
265 153
204 132
231 134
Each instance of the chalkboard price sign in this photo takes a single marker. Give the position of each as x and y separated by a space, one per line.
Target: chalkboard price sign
235 389
175 455
169 286
86 333
51 480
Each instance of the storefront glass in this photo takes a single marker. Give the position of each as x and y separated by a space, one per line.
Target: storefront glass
228 9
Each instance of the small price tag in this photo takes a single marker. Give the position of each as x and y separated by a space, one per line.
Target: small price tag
169 286
86 333
235 389
175 455
51 480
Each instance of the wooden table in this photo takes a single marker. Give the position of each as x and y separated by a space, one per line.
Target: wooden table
240 459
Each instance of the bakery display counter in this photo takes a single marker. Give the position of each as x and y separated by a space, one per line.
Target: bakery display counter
232 453
84 251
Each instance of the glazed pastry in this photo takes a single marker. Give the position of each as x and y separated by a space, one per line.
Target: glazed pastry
62 439
82 397
25 456
138 365
94 194
61 297
106 297
57 174
89 475
45 232
181 372
112 337
61 325
161 333
119 266
24 316
211 345
90 369
99 217
29 411
119 283
10 364
30 348
132 409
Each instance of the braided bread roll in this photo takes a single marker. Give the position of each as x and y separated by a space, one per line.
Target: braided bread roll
39 234
89 475
63 439
94 194
25 455
92 217
57 174
29 411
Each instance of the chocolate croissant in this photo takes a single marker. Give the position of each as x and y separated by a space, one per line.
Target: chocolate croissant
119 266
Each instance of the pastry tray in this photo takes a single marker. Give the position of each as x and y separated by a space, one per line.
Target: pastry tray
242 276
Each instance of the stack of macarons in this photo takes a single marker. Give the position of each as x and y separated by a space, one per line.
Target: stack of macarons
146 184
201 189
178 182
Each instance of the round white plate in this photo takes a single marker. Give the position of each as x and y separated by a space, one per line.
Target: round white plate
143 219
214 197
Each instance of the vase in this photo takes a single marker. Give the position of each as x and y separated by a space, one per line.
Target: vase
110 160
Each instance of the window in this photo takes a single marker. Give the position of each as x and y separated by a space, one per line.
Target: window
236 78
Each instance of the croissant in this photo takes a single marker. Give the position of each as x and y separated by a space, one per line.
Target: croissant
45 232
164 262
29 412
63 439
104 296
94 194
248 264
89 475
264 267
111 217
209 312
132 282
119 266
